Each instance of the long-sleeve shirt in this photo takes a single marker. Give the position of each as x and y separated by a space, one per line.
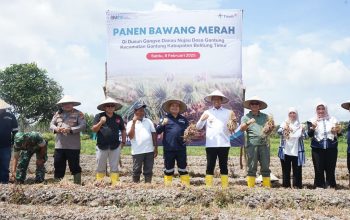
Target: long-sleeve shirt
217 133
294 146
73 120
173 132
8 128
349 137
322 136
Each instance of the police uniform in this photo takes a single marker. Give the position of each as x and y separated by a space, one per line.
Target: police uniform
27 144
67 145
173 144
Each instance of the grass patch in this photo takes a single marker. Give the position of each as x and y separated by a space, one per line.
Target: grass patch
89 147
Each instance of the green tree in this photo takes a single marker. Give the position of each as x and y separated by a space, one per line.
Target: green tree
30 91
89 118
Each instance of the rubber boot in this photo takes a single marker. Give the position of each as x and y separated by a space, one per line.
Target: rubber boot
266 182
209 180
168 180
100 176
77 178
251 181
114 178
185 179
224 181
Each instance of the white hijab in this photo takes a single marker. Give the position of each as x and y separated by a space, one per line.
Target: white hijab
318 117
294 125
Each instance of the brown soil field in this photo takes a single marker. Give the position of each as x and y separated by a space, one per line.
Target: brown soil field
64 200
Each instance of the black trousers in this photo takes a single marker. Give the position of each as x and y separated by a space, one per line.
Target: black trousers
212 154
60 160
348 160
325 161
288 163
170 157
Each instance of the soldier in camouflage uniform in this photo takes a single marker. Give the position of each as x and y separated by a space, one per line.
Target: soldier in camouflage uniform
27 144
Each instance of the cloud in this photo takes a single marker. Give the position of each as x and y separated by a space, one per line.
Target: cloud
161 6
287 73
342 45
318 67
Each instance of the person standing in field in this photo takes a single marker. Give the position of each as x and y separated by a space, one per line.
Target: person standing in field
215 120
8 129
67 124
323 130
346 106
109 126
173 126
144 146
291 149
257 146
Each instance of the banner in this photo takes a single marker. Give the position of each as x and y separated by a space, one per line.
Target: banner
154 56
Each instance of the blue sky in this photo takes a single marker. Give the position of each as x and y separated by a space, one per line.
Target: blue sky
295 53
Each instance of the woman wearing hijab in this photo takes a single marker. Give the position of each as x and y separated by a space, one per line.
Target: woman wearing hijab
291 150
323 129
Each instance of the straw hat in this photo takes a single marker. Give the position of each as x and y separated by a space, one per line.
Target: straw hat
262 104
217 93
166 105
3 105
109 100
346 105
68 99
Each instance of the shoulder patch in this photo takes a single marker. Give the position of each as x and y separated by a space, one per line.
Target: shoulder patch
81 115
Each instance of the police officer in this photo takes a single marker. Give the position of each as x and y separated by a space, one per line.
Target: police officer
173 126
108 125
27 144
8 129
67 124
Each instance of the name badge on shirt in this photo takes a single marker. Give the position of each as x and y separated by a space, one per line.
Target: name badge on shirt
182 121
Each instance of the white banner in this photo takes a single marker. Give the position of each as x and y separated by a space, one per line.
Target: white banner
153 56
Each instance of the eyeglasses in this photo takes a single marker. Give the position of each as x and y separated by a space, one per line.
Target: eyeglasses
254 103
109 106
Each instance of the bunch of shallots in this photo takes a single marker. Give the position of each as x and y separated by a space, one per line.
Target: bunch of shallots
337 129
286 131
232 122
269 126
190 132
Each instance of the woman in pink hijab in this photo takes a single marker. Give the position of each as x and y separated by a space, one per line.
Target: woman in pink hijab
323 130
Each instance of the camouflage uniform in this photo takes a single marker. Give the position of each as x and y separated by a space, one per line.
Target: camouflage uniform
26 144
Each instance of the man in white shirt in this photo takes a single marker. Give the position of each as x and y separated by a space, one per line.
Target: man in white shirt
144 146
215 120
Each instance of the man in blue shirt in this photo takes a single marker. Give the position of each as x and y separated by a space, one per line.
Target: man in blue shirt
173 126
8 129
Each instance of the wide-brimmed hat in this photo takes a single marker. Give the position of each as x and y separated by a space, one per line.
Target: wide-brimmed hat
346 105
217 93
166 105
4 105
68 99
109 100
262 104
